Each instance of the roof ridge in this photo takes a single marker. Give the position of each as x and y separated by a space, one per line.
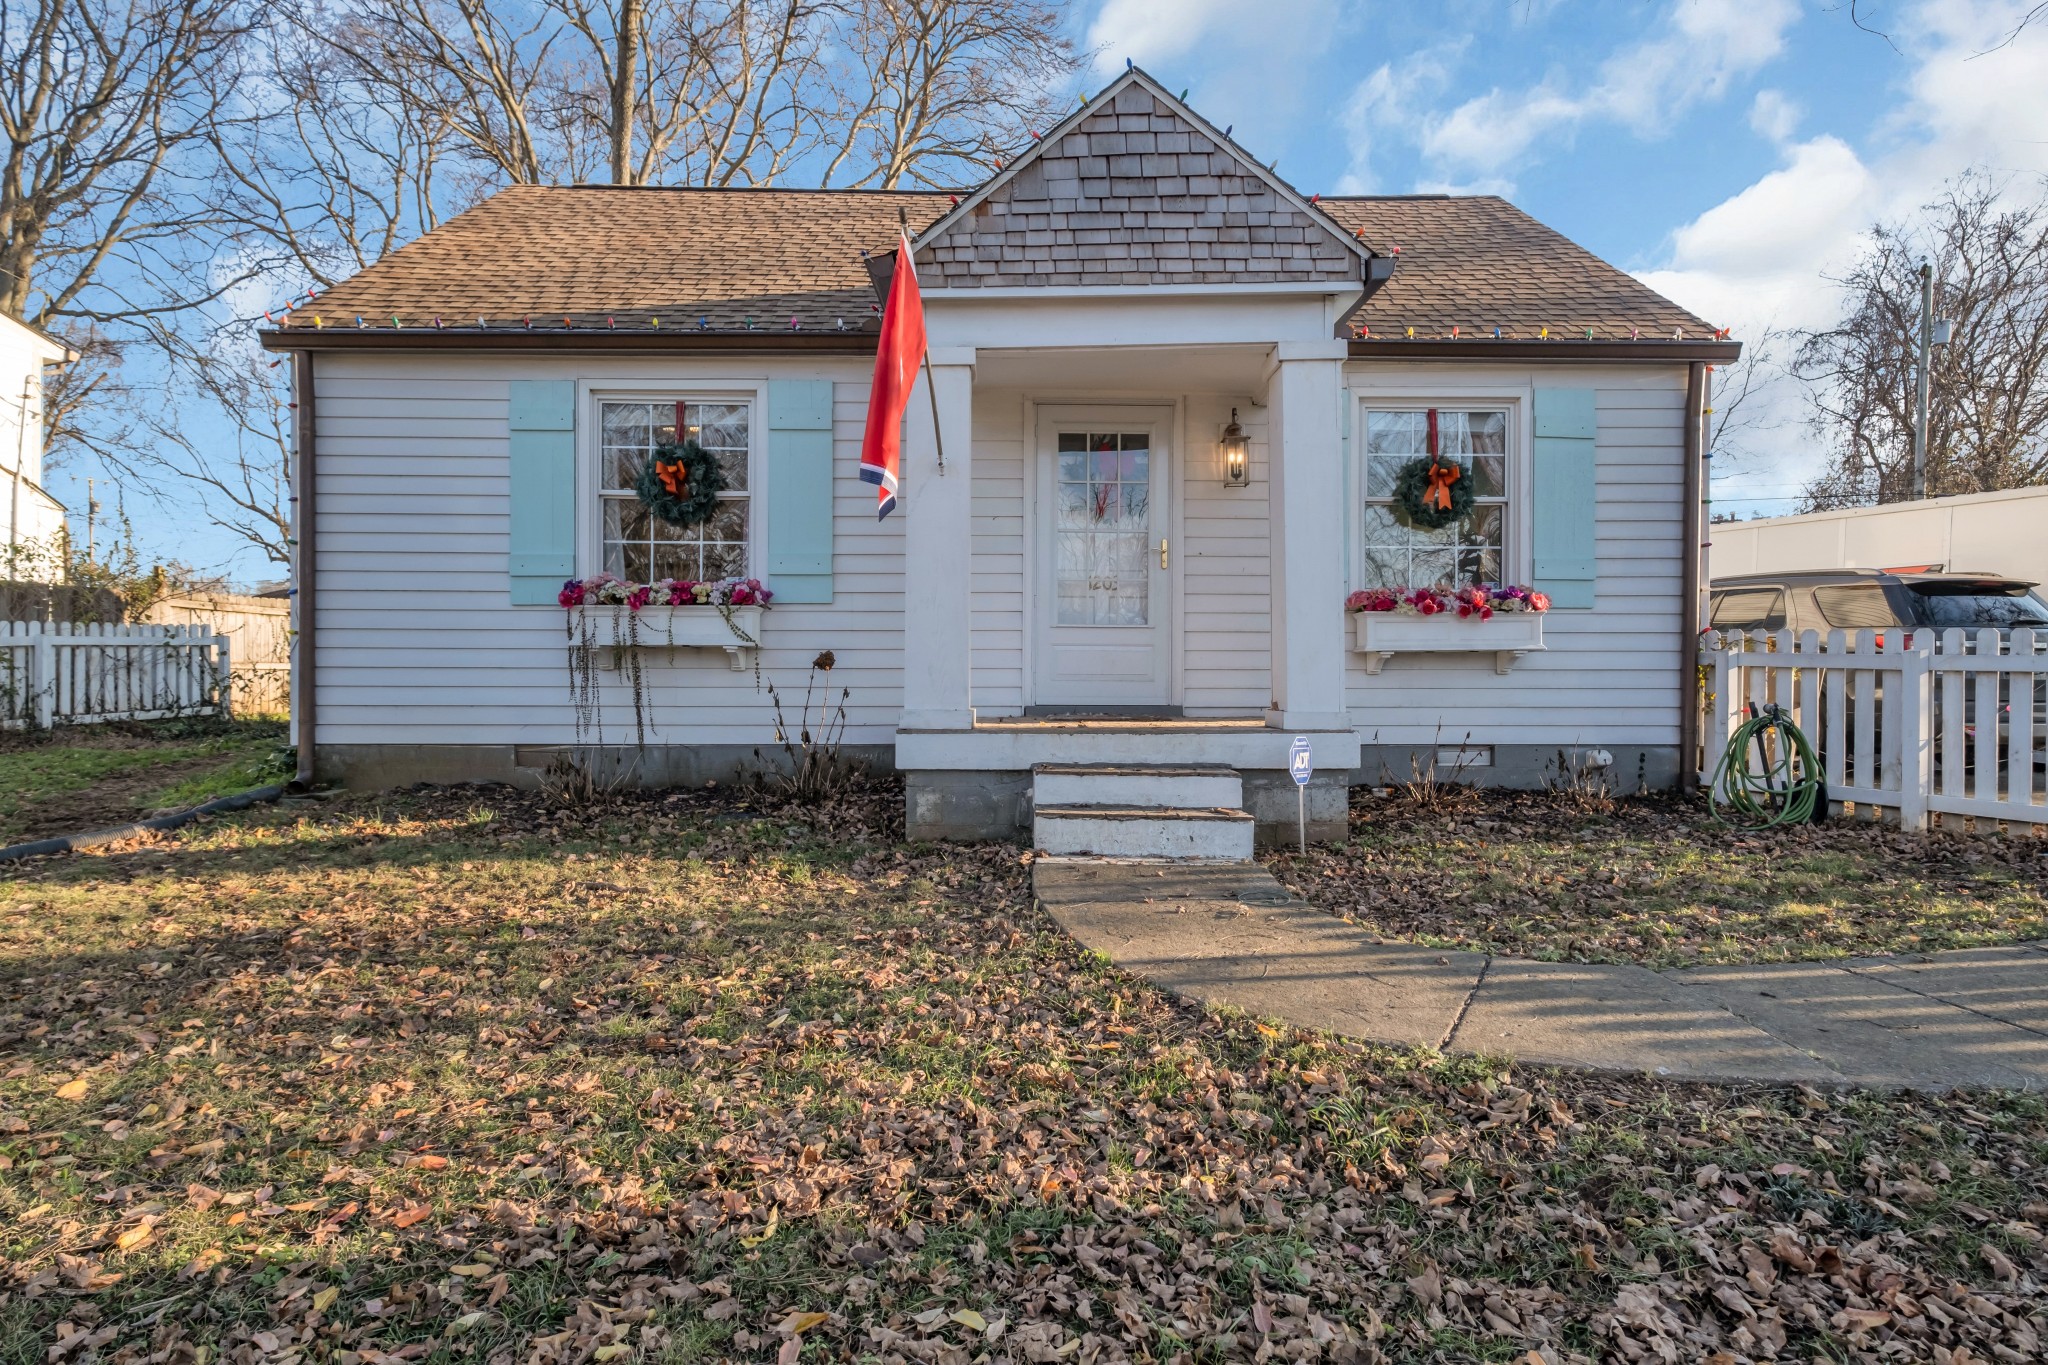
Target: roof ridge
746 189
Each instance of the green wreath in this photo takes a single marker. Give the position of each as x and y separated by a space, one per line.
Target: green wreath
681 483
1412 484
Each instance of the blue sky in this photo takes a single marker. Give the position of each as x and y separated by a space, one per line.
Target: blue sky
1729 152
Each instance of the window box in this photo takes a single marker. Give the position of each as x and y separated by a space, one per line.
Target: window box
670 628
1380 635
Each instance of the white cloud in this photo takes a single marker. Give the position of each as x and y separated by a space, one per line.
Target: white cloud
1763 257
1760 257
1152 31
1698 49
1380 102
1775 115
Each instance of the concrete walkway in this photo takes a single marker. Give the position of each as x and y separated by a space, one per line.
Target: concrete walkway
1233 935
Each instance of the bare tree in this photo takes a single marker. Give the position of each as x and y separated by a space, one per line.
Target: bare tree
1740 395
722 92
1988 421
96 104
103 108
953 86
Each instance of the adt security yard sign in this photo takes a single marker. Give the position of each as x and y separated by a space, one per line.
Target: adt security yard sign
1300 761
1302 764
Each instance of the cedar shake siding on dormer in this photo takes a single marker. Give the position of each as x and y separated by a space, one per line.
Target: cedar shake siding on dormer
1135 195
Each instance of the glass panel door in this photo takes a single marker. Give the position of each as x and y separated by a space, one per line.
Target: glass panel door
1103 529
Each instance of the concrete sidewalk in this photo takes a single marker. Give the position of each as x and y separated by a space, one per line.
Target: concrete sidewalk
1231 934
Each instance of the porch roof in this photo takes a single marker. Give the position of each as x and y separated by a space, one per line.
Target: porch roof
595 266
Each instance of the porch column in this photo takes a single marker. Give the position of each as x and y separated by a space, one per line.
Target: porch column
938 547
1307 525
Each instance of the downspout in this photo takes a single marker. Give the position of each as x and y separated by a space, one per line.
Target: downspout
305 513
1692 535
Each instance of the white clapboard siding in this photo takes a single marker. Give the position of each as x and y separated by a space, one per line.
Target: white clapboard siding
1002 475
418 640
1226 568
66 673
1608 674
1918 724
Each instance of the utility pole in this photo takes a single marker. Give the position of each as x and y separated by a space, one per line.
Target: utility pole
1923 381
92 509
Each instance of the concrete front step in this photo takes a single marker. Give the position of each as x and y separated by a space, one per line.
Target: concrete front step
1148 833
1191 787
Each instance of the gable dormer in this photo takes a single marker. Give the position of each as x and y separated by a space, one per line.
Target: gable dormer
1135 189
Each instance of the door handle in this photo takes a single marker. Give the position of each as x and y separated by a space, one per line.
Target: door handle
1162 552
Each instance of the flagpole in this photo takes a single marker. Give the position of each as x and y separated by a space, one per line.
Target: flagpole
931 389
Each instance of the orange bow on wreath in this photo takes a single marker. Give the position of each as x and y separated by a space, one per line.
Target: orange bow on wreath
1441 476
674 477
1438 494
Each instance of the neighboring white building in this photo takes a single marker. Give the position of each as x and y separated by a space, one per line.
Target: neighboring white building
1083 583
35 519
2001 533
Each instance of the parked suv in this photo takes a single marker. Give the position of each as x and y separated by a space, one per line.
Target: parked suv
1879 600
1873 599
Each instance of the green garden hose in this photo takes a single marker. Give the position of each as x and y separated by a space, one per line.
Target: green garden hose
1783 787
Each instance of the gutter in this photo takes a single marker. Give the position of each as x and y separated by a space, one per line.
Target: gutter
580 340
1559 349
1692 532
305 578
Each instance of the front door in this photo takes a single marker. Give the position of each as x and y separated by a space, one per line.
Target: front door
1103 557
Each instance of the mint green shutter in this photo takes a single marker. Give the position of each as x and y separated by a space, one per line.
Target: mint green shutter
1563 493
542 416
799 482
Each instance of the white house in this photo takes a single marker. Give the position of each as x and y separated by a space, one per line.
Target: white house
35 519
1087 582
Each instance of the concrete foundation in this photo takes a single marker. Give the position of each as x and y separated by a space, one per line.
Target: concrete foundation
1631 768
380 766
966 805
974 804
1275 805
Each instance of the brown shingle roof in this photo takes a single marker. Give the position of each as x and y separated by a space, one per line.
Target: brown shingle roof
590 252
1480 263
727 256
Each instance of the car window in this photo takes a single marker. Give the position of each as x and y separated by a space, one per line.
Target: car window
1748 609
1974 606
1855 606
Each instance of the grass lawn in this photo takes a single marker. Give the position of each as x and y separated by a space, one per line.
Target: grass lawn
1654 880
92 777
454 1076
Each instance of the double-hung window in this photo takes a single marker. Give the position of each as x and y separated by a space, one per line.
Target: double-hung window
641 546
1472 549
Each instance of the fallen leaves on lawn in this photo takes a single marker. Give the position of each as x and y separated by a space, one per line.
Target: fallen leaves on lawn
1651 879
715 1075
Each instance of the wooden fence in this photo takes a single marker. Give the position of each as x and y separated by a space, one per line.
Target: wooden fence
1930 725
60 673
258 630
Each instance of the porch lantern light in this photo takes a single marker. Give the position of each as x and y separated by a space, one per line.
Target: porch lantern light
1237 468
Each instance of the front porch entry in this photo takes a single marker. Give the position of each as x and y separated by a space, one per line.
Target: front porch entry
1101 553
1076 503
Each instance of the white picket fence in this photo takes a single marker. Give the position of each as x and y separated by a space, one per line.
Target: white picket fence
1920 723
63 673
